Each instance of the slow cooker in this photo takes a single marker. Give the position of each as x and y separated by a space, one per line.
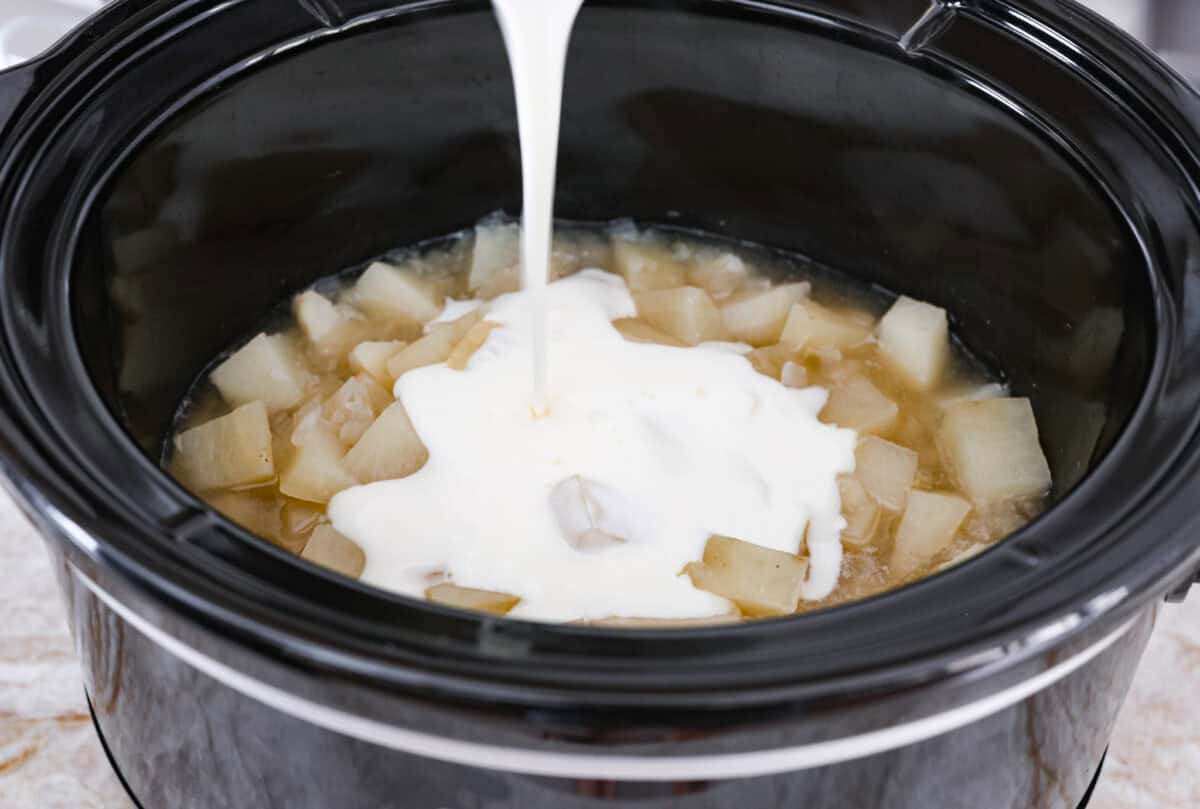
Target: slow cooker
173 169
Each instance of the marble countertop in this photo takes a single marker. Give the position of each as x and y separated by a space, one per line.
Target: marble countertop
50 757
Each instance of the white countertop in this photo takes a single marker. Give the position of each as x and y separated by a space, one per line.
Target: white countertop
50 757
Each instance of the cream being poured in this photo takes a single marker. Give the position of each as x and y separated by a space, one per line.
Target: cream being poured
587 499
536 33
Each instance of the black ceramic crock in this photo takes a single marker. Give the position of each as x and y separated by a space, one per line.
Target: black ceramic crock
173 169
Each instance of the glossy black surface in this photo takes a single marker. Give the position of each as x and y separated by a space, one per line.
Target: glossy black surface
176 168
209 198
181 739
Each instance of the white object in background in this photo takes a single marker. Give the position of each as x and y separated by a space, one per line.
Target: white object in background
1132 15
28 27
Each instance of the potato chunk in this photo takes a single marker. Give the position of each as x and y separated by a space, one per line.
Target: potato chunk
809 325
793 375
686 313
991 448
471 342
469 598
316 472
647 265
589 514
353 407
760 581
372 357
718 274
861 511
316 315
329 328
638 331
232 450
578 250
299 519
914 338
390 448
329 549
266 370
927 527
856 404
770 360
387 291
970 552
886 470
758 318
251 510
495 260
435 346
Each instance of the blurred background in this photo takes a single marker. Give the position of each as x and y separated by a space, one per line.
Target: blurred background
1170 27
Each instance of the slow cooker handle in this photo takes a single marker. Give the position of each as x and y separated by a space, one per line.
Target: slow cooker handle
1180 593
19 83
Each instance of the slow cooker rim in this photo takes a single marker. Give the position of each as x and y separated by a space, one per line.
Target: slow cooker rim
699 634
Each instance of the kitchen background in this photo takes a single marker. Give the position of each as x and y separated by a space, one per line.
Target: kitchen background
50 757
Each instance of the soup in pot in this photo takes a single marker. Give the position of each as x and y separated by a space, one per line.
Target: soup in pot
724 435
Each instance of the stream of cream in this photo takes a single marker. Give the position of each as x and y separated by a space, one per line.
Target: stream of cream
536 33
588 500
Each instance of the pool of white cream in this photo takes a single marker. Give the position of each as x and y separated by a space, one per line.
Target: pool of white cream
674 445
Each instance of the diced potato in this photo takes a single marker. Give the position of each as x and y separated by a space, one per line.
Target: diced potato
387 291
435 346
718 274
372 357
793 375
639 331
886 470
990 390
496 260
329 549
471 342
266 370
731 617
758 318
588 514
809 324
914 338
760 581
770 360
970 552
685 313
927 527
469 598
580 250
256 513
353 407
991 448
329 328
233 450
856 404
861 511
316 471
316 315
390 448
647 265
299 519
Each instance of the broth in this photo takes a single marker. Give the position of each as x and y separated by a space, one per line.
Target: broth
946 463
